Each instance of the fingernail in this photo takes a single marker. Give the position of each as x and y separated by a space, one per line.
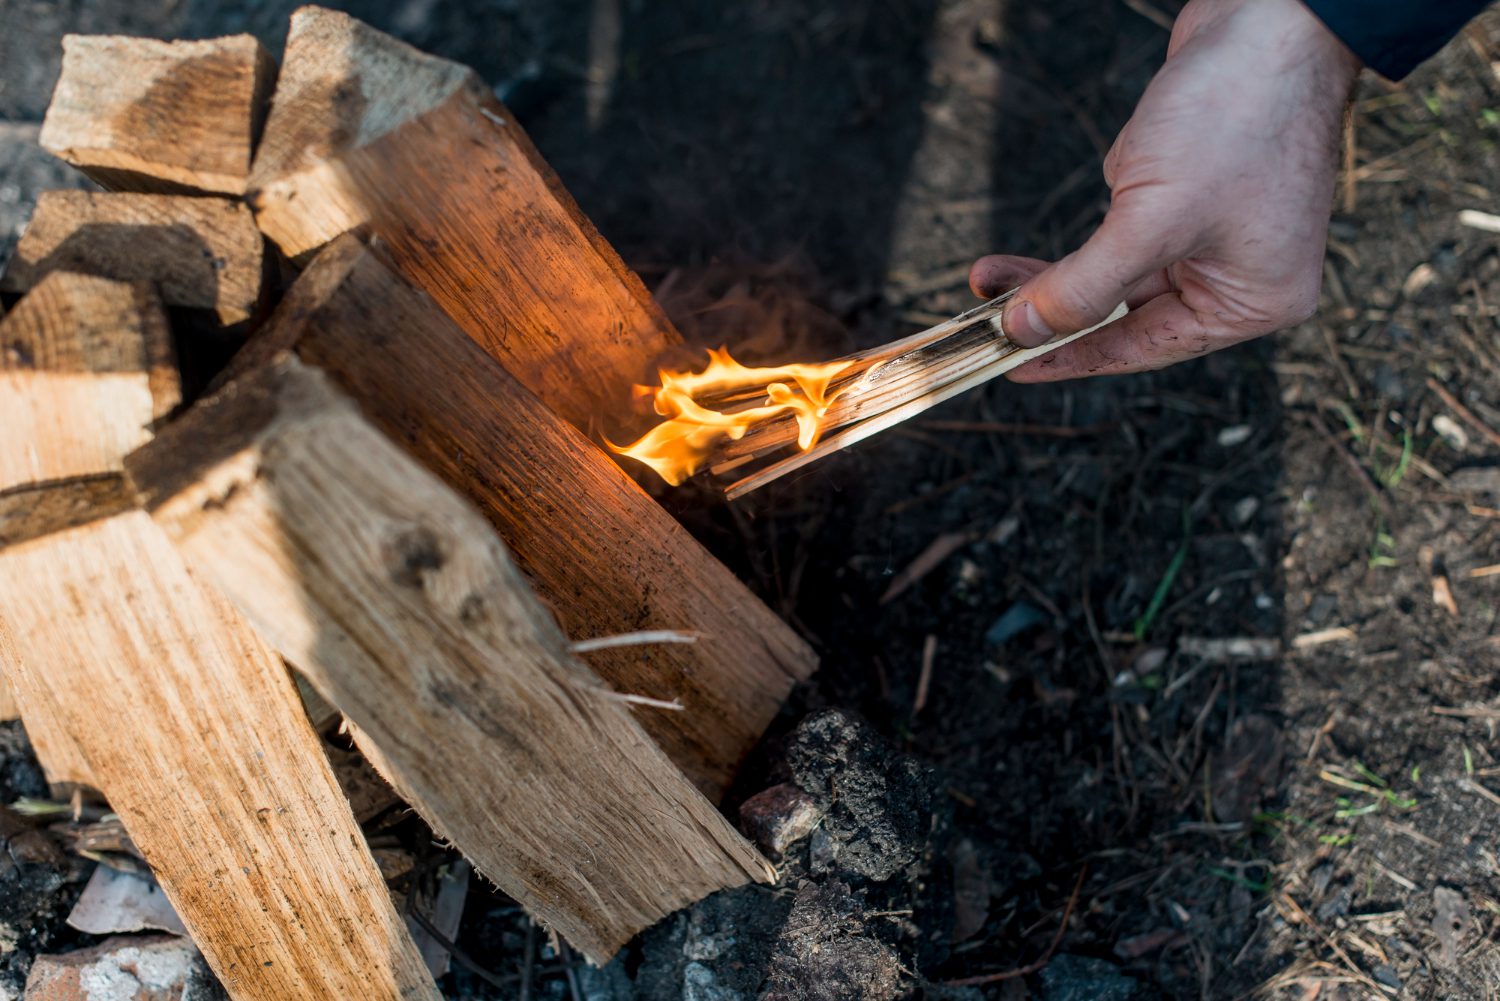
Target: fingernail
1024 325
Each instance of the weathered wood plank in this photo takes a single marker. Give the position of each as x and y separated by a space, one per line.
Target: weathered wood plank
137 114
366 130
397 600
201 253
604 556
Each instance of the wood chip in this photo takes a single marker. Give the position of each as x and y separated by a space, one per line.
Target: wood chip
1483 221
1234 648
1334 634
1442 595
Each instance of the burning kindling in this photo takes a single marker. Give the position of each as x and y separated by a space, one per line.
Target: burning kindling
750 426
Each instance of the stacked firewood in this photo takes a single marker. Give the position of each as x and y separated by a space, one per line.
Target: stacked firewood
393 486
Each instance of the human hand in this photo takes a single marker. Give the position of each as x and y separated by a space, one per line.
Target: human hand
1222 185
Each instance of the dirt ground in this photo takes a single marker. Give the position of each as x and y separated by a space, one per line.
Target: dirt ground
1211 689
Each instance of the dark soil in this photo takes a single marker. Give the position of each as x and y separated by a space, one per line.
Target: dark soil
1315 820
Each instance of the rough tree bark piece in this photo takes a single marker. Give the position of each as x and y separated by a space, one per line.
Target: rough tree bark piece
165 699
202 253
603 555
137 114
399 603
85 366
366 130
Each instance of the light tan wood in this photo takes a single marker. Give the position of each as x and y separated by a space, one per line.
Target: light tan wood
603 556
396 599
134 679
9 710
137 114
85 368
365 130
201 253
62 760
193 731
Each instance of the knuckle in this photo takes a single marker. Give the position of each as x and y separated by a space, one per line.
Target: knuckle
1296 306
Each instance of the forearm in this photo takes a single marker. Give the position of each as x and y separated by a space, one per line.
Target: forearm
1393 36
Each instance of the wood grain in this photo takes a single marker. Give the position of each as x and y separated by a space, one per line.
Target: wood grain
193 731
604 556
201 253
137 114
366 130
397 600
134 679
85 367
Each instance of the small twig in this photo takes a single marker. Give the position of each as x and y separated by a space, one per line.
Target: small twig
528 962
1001 427
642 638
454 952
1046 957
1156 16
1343 956
1464 413
1378 496
929 655
1469 785
566 955
1467 712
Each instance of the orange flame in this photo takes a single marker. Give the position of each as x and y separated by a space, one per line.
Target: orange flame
678 446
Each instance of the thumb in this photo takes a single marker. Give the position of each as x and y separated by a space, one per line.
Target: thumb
1082 289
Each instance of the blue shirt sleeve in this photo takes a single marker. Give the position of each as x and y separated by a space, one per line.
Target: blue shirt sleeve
1393 36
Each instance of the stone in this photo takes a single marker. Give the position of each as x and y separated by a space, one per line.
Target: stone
124 968
882 806
779 817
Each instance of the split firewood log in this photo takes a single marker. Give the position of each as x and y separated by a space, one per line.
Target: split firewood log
396 599
137 114
202 253
169 704
605 557
99 352
365 130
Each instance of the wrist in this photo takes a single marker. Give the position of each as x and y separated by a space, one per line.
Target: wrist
1340 61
